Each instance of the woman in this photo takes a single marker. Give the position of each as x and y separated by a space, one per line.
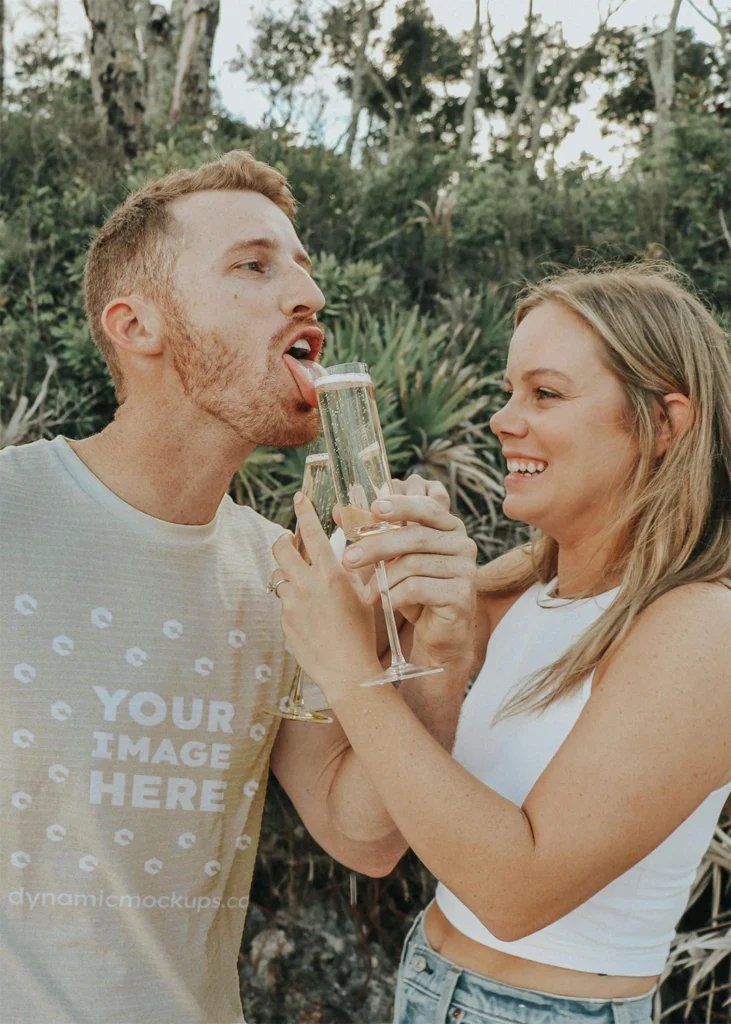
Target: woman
593 753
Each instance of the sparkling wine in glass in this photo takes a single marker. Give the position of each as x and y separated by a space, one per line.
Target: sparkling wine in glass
317 485
359 466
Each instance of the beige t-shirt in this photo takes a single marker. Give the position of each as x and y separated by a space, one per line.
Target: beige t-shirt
138 660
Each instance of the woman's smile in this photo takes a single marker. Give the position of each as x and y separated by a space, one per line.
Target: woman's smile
523 467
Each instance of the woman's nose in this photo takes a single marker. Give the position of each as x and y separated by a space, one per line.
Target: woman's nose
508 420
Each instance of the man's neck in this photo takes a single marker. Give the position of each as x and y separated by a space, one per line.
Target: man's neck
172 464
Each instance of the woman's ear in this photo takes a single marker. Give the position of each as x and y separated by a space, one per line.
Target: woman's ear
675 419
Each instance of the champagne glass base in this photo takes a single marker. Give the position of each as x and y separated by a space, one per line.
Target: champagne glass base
396 673
299 713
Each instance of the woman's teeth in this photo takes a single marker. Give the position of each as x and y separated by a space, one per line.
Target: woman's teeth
527 468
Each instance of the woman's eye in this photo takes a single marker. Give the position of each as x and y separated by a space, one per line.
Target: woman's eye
545 393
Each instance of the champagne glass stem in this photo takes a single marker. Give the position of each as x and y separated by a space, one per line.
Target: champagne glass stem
397 657
296 689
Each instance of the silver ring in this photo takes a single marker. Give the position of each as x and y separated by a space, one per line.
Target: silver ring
272 587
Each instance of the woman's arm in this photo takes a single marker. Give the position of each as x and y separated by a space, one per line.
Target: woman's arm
329 786
651 744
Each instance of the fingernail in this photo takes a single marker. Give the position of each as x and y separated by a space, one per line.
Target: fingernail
384 506
298 497
354 554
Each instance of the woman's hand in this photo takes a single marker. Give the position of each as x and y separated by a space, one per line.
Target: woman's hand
431 569
325 616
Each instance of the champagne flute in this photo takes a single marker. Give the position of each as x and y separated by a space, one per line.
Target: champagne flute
360 473
317 485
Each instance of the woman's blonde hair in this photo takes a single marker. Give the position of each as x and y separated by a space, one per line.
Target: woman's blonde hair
675 528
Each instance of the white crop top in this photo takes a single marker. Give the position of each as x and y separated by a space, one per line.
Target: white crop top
625 928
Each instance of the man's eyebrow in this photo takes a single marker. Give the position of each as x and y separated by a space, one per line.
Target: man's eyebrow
542 371
266 245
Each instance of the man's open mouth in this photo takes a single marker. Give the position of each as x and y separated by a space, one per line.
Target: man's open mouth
307 344
300 358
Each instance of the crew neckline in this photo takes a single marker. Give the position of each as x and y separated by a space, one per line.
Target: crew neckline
546 599
161 529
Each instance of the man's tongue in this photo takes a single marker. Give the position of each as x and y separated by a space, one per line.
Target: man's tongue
304 371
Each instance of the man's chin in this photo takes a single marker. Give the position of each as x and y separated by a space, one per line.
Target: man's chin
302 429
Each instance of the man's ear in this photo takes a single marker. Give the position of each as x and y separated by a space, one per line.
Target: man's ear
675 420
134 324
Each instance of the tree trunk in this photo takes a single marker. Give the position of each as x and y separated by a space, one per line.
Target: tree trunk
359 72
468 120
661 63
117 73
191 90
160 34
526 98
2 51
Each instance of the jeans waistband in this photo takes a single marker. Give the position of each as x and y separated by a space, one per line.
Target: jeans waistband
431 972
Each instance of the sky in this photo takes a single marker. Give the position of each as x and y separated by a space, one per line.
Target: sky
578 17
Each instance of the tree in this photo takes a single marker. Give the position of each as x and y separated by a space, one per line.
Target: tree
541 76
149 66
159 30
723 27
283 52
117 72
191 97
629 98
660 57
2 50
468 119
408 91
357 20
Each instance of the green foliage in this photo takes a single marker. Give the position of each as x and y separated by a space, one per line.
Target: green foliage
359 286
419 251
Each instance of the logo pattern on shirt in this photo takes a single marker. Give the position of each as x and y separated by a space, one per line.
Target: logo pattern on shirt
145 708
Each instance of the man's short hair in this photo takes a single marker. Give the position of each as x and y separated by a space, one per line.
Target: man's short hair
135 251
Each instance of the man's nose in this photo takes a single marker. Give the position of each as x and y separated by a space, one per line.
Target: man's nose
304 297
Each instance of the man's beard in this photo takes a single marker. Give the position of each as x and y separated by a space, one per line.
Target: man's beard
224 385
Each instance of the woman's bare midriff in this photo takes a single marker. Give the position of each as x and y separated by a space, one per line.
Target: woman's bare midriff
450 943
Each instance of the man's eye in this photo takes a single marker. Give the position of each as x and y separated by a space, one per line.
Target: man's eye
255 265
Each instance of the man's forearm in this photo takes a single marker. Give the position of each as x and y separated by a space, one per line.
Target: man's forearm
355 808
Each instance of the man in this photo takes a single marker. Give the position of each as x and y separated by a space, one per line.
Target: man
140 649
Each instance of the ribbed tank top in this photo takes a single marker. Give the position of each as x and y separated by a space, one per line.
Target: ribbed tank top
625 928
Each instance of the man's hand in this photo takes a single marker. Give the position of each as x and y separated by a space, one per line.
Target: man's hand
324 614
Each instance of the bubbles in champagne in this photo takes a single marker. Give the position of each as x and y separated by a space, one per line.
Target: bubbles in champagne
317 485
353 432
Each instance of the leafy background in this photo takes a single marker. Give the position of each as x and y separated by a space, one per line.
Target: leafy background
421 246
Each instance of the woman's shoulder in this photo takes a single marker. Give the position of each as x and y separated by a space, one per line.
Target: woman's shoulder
704 605
687 626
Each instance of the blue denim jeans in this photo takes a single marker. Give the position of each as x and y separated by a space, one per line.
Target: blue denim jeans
433 990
